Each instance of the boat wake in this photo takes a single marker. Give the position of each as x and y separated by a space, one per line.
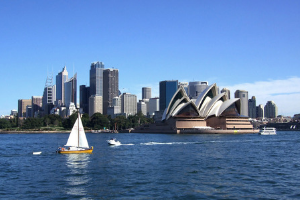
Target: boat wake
168 143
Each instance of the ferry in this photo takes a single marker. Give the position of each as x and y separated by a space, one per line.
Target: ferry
268 131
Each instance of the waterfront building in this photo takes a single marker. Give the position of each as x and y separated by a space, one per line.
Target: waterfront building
271 110
84 98
243 96
71 91
128 104
22 104
142 107
146 93
210 113
36 105
260 111
61 78
110 87
196 88
96 78
95 105
153 106
226 91
252 107
166 91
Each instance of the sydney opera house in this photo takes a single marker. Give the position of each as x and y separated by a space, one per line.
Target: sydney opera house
211 112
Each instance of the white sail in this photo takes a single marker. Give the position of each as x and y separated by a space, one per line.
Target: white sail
77 134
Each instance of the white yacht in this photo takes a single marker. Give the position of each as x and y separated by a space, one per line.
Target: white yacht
267 131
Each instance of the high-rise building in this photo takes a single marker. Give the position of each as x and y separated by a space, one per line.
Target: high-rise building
196 88
36 106
146 92
61 78
128 104
95 105
153 106
271 110
84 98
96 78
48 97
142 107
260 111
110 87
252 107
71 91
227 91
166 91
243 95
22 103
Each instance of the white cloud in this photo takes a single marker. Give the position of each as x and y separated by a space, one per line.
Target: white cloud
285 93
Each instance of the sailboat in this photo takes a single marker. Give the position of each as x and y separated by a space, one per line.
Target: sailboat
77 142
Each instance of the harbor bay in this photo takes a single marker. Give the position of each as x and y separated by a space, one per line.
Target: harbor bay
152 166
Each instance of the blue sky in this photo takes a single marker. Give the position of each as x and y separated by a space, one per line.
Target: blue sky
249 45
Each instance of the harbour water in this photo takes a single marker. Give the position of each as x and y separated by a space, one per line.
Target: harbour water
152 166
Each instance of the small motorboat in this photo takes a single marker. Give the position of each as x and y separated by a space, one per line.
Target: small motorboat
267 131
113 141
37 153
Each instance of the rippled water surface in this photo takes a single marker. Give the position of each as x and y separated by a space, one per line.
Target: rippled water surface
152 166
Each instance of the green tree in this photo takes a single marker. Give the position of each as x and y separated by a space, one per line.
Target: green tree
69 122
4 123
120 121
32 123
85 118
99 121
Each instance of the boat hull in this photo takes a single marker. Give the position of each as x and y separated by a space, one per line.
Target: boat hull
78 151
69 151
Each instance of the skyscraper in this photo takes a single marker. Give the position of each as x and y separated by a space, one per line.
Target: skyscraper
96 78
84 98
61 78
110 87
153 106
22 103
71 91
166 91
146 93
243 95
48 101
271 110
252 107
36 105
95 105
128 104
196 88
260 111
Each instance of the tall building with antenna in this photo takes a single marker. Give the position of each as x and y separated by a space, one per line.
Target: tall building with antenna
48 95
61 78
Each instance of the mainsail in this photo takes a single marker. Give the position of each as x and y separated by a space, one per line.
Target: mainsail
77 136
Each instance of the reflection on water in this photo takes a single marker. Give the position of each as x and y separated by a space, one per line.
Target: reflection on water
77 177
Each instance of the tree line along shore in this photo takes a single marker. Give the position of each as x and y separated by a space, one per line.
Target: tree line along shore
57 124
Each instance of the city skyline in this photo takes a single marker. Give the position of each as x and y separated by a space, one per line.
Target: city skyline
240 45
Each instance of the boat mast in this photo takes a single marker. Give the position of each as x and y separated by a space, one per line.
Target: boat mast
78 127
